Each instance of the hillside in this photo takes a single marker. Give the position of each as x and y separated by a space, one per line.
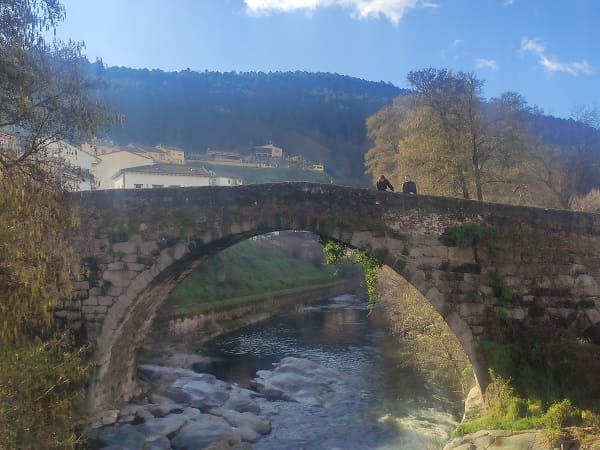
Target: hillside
318 115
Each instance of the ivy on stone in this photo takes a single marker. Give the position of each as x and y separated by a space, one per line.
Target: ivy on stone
337 252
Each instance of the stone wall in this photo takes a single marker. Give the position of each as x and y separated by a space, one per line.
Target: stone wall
534 268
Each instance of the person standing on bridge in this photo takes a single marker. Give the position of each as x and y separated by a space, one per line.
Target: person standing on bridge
383 184
409 186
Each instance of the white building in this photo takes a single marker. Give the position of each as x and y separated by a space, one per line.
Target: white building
110 164
170 175
76 164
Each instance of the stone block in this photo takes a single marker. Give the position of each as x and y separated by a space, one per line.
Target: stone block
593 315
164 260
80 295
91 301
586 286
563 313
135 267
105 301
564 281
437 300
93 310
139 283
130 258
115 291
96 291
147 248
118 278
119 265
180 251
437 251
73 316
361 239
81 285
514 313
415 252
427 263
472 309
458 255
125 247
578 269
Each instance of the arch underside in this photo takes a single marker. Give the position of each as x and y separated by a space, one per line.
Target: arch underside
116 380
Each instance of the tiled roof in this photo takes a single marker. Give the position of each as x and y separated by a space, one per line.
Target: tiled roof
171 169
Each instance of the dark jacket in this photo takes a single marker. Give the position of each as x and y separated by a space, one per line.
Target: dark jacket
409 187
383 185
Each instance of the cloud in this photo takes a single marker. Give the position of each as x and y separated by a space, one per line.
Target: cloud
509 2
538 49
393 10
483 63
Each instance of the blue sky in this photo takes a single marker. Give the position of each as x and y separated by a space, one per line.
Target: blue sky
547 50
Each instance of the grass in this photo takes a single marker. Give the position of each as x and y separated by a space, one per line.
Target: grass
242 274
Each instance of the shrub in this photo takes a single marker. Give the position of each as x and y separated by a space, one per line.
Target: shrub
40 385
562 414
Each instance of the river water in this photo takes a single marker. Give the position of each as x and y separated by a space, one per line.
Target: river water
380 405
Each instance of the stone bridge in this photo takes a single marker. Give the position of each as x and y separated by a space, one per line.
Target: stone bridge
492 271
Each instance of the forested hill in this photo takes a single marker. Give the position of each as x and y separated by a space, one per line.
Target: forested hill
318 115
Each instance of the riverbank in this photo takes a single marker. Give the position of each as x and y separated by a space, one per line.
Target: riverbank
175 342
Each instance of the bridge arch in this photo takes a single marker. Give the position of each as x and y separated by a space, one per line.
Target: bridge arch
137 245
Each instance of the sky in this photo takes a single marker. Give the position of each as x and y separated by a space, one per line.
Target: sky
546 50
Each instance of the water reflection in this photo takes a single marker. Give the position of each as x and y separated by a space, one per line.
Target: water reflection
381 404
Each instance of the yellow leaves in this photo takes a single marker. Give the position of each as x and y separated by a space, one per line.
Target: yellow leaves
35 256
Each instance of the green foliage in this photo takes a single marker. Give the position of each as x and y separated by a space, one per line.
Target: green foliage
502 291
467 235
472 235
334 251
40 385
252 267
337 252
505 410
562 414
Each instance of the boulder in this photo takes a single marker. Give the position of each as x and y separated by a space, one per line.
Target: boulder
205 430
297 379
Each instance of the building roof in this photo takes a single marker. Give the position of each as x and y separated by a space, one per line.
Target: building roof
170 169
268 146
144 148
169 147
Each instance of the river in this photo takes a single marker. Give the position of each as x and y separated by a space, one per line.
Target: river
380 405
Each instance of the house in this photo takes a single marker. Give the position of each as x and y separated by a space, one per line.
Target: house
112 163
224 156
317 167
160 153
173 155
268 151
170 175
76 164
9 142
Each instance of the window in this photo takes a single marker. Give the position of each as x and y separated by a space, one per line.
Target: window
138 186
157 185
